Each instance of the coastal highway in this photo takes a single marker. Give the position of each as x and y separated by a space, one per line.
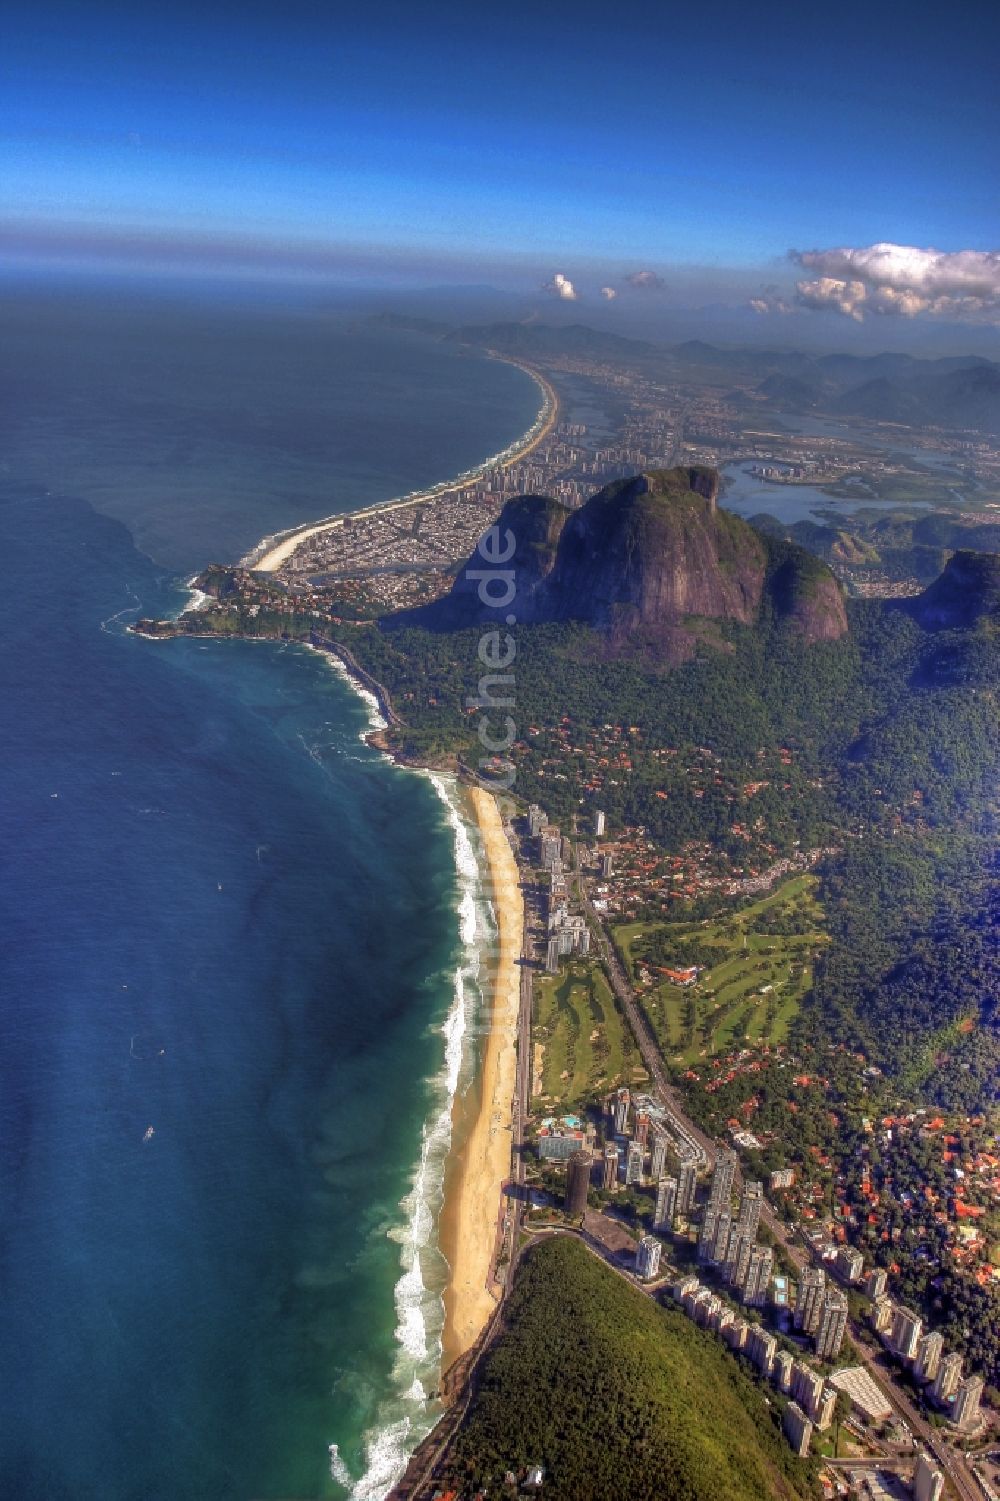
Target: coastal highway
522 1090
951 1461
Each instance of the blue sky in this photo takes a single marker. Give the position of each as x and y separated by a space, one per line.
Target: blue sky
504 143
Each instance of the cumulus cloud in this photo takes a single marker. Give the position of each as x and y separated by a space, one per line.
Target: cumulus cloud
561 286
826 293
609 293
645 281
769 303
902 281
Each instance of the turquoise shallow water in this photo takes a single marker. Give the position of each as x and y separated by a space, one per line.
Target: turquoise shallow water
231 940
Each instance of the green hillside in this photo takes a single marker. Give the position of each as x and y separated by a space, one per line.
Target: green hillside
755 968
581 1044
616 1398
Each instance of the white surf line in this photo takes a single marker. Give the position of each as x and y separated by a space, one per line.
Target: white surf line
271 552
128 610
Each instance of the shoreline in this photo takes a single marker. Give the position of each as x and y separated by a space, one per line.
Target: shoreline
478 1123
479 1159
479 1163
272 552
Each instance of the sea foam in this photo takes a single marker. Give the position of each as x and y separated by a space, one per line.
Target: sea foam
406 1417
419 1303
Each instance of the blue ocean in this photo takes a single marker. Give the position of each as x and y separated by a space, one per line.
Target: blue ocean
238 944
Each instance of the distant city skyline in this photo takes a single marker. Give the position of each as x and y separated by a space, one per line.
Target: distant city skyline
616 165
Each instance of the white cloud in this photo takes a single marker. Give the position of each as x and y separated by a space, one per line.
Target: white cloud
561 286
901 280
827 292
770 304
646 281
609 293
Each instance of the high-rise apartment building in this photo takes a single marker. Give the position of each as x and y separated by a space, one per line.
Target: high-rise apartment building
965 1410
720 1243
723 1176
737 1262
876 1282
536 820
750 1207
577 1183
807 1387
929 1353
825 1408
907 1328
947 1380
809 1299
832 1325
757 1282
666 1204
928 1480
658 1147
881 1315
687 1183
647 1257
782 1370
850 1264
761 1347
549 847
797 1429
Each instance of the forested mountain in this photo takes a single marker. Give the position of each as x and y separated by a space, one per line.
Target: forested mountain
616 1399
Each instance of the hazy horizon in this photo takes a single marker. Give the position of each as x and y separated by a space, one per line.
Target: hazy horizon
458 303
750 175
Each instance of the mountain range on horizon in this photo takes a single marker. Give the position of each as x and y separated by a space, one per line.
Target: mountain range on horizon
948 391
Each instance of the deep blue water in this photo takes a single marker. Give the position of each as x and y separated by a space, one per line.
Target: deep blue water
225 919
208 427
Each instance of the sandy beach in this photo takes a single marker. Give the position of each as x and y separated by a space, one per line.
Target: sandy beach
282 547
481 1156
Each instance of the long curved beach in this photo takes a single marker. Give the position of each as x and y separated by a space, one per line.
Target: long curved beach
273 552
481 1157
479 1160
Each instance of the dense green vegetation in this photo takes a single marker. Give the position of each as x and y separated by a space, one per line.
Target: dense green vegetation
894 739
754 695
582 1045
616 1397
884 745
756 967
